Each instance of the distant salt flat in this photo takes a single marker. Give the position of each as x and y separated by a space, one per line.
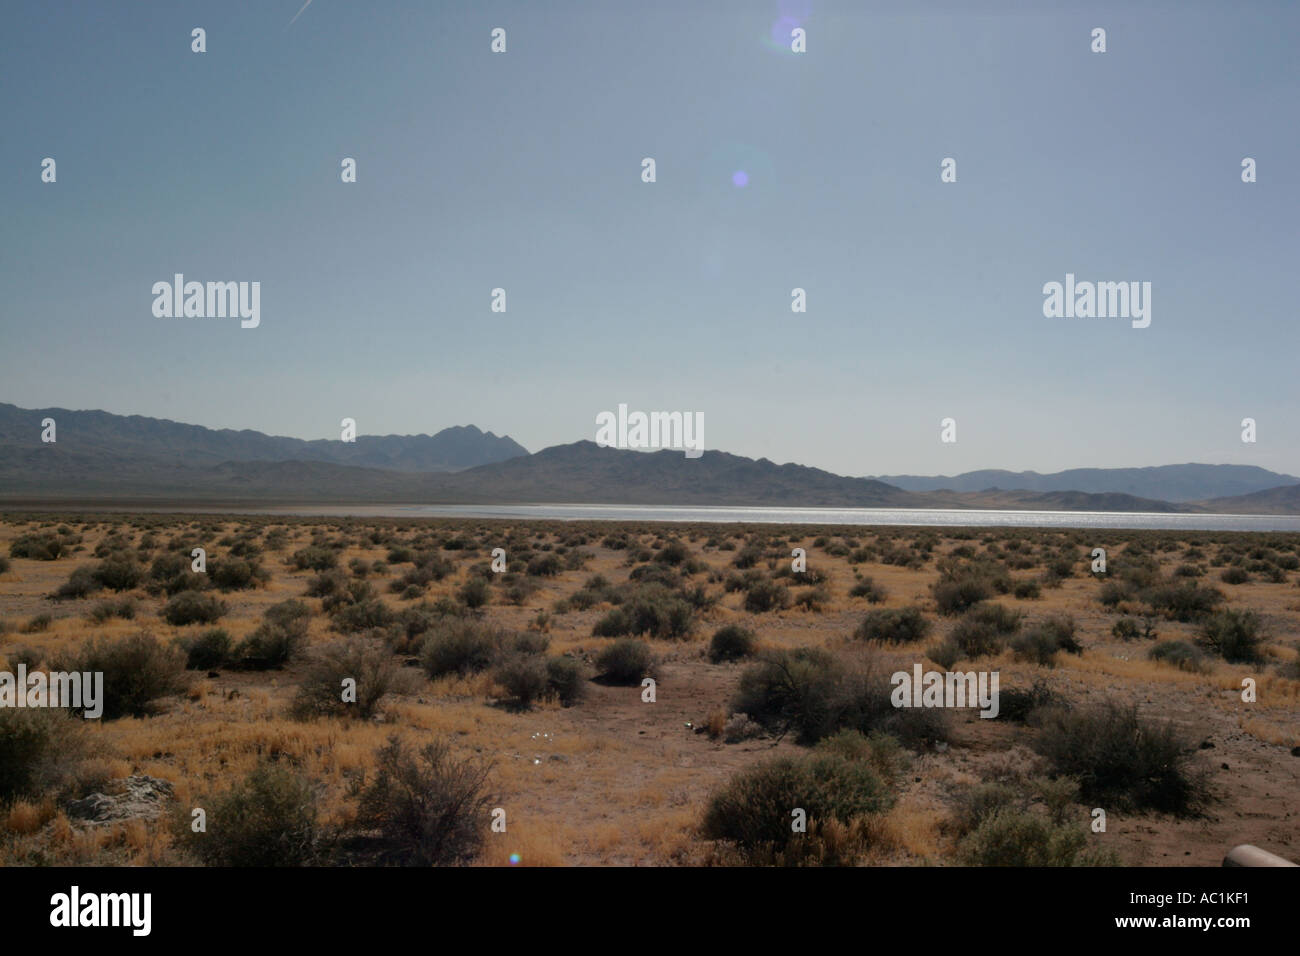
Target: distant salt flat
816 516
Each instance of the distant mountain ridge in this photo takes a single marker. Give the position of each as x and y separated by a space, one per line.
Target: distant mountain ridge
114 459
1178 483
138 437
1271 501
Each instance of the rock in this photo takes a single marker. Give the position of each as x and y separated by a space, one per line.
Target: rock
1207 744
142 797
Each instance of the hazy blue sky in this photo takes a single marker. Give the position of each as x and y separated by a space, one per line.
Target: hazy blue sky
522 170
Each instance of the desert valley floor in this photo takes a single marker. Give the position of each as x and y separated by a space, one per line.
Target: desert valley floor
587 771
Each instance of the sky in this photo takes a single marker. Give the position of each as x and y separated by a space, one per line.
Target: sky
775 170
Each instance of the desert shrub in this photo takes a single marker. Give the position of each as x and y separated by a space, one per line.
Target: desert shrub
279 637
731 643
669 577
1125 629
526 642
789 690
869 589
367 615
1182 602
1016 704
1233 635
944 653
37 547
1012 837
652 610
29 657
974 804
123 608
753 810
808 576
287 612
1184 655
1234 575
415 621
1041 642
524 677
474 593
267 819
1112 593
4 564
565 680
81 583
1123 760
236 574
429 807
192 607
812 694
813 599
315 558
882 751
119 572
962 585
138 670
208 650
545 565
893 626
1035 646
674 553
321 692
983 630
40 749
765 595
328 584
38 623
1028 590
458 647
739 727
954 597
1061 565
348 594
519 590
171 574
626 661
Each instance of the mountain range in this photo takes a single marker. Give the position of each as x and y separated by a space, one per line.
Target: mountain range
1169 482
102 457
134 436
